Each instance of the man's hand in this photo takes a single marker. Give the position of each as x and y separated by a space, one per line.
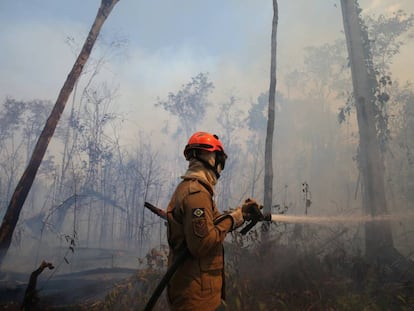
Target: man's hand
252 210
249 211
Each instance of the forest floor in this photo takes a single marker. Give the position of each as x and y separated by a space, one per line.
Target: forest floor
259 276
62 292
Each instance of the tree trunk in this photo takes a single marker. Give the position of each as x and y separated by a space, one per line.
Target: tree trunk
378 236
23 187
268 177
31 298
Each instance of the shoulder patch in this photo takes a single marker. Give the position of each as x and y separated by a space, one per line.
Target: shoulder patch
199 213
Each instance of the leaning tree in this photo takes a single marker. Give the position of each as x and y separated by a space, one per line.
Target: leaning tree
25 183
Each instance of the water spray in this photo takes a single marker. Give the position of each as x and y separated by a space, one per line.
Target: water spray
321 220
325 219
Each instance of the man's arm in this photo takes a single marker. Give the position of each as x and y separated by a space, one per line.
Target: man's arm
201 233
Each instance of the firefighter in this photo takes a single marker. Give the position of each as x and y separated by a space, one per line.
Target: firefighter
195 223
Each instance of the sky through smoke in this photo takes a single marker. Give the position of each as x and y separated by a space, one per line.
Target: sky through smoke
168 43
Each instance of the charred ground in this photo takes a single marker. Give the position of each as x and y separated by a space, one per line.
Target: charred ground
303 274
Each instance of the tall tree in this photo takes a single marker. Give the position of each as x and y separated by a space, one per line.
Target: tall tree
24 185
189 103
268 178
378 236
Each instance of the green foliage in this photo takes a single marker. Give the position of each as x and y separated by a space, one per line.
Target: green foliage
257 118
383 38
344 112
189 103
387 34
11 117
23 117
21 123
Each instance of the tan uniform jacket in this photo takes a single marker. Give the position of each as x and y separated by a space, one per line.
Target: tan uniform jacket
198 283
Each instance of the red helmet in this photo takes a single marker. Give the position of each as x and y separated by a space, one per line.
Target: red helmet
204 141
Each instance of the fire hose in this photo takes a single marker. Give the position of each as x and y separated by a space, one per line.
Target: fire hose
185 253
268 218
